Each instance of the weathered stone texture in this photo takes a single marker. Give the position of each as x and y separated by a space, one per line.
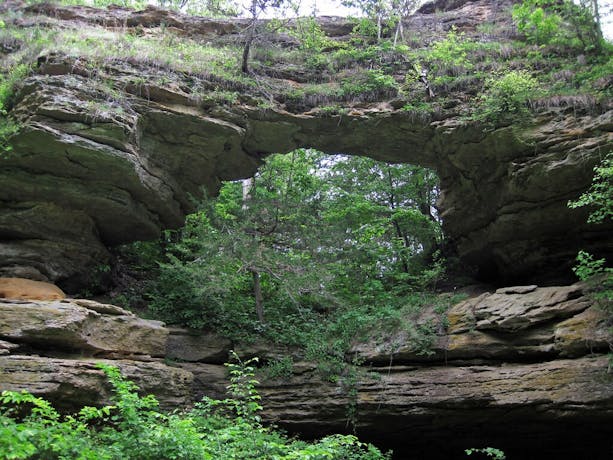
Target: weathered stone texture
195 346
23 288
511 364
85 173
72 383
65 325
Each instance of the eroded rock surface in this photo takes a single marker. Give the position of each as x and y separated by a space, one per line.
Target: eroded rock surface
23 288
524 369
73 383
88 327
86 173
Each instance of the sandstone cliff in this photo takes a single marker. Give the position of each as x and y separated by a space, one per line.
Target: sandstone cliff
112 149
524 369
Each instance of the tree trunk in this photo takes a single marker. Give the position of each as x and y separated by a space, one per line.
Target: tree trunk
246 49
253 10
257 291
399 233
399 32
247 188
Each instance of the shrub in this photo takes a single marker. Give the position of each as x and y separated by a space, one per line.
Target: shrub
538 26
600 198
8 126
600 194
490 452
133 428
312 38
370 85
506 98
451 51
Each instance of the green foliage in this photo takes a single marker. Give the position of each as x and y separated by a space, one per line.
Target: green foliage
565 23
588 267
171 54
135 4
133 428
365 29
598 276
418 106
211 8
600 195
451 51
8 126
505 98
281 368
532 20
242 387
312 38
370 84
338 244
491 452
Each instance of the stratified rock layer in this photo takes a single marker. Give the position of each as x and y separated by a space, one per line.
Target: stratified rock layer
89 327
497 375
73 383
86 173
523 369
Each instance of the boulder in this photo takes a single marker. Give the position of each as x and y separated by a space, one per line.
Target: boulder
20 288
513 324
192 346
66 325
73 383
510 311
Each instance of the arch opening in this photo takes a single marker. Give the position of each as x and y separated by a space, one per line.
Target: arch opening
308 234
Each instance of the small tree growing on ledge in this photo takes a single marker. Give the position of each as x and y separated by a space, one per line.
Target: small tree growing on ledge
256 8
600 198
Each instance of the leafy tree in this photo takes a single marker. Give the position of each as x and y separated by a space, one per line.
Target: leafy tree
214 8
383 215
308 234
385 11
376 10
546 21
255 9
236 256
400 10
533 21
506 97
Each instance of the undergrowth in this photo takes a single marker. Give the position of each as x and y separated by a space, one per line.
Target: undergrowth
133 427
322 71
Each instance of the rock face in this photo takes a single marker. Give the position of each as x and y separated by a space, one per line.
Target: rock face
92 329
523 369
48 348
73 383
86 173
22 288
500 374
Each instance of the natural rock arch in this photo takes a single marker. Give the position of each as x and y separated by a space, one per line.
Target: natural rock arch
83 176
73 186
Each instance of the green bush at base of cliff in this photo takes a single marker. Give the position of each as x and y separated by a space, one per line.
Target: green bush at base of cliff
134 428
